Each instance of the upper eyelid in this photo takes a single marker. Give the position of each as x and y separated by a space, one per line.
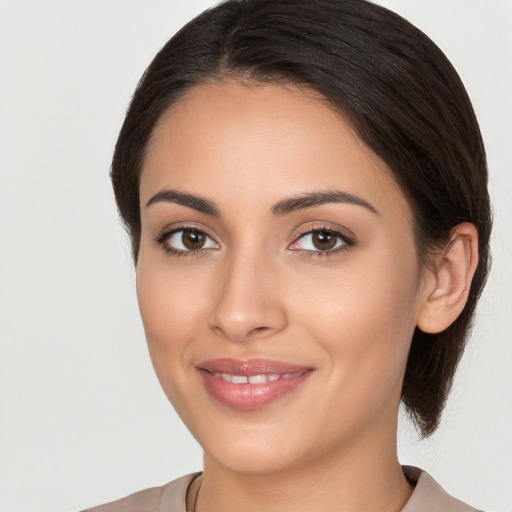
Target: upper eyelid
347 241
325 226
170 229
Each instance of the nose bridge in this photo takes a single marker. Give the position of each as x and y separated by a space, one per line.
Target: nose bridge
247 303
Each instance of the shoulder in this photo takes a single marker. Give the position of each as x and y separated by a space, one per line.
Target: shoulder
170 497
428 495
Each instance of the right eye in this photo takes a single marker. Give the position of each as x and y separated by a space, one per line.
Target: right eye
187 240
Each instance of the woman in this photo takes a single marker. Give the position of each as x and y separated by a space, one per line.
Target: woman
305 188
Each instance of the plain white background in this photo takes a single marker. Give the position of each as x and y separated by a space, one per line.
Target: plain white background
82 417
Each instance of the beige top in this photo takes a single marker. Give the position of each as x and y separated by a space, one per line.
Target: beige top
428 496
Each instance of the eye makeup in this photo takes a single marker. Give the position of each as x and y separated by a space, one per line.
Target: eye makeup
318 241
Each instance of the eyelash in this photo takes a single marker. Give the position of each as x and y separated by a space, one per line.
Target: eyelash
347 244
179 253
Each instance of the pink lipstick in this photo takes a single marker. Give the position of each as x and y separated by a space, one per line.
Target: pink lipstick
250 384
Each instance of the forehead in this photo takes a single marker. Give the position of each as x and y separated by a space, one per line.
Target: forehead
262 141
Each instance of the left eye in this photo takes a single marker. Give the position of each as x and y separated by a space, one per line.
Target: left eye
320 240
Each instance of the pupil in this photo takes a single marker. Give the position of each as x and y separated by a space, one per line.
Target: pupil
324 240
192 239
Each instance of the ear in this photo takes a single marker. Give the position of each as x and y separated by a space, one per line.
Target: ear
447 281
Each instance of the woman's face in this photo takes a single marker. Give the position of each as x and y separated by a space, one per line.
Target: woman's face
277 277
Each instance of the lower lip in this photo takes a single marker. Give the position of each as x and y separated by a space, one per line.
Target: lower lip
248 397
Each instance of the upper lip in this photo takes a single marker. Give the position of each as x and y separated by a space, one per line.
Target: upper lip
250 367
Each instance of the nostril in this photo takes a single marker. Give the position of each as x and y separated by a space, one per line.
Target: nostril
219 331
258 330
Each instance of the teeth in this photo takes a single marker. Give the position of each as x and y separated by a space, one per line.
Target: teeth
258 379
254 379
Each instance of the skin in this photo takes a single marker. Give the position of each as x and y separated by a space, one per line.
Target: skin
257 289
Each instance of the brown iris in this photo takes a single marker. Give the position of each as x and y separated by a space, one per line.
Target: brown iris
323 240
193 239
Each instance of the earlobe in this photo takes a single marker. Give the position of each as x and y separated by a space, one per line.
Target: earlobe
447 285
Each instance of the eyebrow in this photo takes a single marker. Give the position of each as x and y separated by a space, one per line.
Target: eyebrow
198 203
312 199
284 207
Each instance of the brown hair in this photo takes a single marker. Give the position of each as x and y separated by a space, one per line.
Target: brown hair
394 85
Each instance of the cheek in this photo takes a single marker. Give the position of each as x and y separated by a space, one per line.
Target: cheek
364 315
170 300
165 318
171 309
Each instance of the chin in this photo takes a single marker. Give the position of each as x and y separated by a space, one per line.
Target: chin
255 449
254 459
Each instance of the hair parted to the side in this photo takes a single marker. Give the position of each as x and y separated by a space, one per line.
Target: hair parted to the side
396 88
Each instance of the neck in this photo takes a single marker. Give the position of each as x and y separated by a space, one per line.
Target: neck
361 477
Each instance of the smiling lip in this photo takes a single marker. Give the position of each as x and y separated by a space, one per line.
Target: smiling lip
250 384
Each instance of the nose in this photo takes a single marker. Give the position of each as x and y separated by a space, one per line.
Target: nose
247 303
